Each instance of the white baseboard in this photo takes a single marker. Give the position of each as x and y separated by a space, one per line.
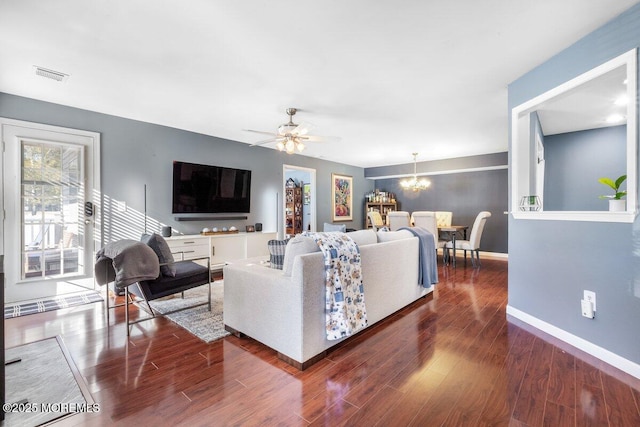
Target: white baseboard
493 255
486 255
596 351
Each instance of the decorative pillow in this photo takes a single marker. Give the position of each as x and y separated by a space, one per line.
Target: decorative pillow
161 248
363 237
297 246
334 227
276 252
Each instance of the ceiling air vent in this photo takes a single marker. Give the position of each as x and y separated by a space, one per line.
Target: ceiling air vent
50 74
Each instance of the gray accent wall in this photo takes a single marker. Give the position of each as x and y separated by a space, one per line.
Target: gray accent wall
463 185
552 262
575 161
465 194
135 154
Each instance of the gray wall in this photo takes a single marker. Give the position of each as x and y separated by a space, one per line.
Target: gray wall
552 262
464 194
575 161
482 186
135 153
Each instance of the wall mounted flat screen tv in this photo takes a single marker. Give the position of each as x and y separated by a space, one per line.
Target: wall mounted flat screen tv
210 189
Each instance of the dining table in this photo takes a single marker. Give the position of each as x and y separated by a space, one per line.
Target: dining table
452 231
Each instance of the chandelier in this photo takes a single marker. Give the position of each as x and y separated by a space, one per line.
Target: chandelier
413 183
290 144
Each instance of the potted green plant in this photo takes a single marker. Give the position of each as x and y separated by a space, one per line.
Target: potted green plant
616 202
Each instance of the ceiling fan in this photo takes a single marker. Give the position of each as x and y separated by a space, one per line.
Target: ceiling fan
289 136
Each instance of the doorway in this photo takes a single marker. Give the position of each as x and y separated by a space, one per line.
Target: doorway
306 179
50 184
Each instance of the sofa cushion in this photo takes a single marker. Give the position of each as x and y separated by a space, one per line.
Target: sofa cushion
387 236
334 227
161 248
299 245
189 275
276 253
363 237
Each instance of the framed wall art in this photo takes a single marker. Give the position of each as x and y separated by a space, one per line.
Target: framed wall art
341 197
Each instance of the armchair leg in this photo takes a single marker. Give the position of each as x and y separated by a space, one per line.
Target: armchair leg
107 303
126 310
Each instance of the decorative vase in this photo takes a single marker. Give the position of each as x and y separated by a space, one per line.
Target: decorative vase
617 205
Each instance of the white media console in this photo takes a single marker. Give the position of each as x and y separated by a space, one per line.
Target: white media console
220 248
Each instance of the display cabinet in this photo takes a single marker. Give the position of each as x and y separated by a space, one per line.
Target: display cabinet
293 211
382 207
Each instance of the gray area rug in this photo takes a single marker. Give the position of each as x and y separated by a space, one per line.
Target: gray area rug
45 378
206 325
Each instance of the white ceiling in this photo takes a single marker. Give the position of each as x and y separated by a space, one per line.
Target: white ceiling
587 106
388 77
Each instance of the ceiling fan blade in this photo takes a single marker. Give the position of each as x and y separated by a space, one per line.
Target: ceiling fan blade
265 141
303 128
318 138
272 134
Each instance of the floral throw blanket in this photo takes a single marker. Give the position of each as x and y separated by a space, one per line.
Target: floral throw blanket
345 311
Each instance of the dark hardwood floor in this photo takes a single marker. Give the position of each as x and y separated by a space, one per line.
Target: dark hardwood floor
452 359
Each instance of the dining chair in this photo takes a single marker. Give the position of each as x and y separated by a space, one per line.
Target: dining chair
444 218
427 220
473 244
376 220
398 219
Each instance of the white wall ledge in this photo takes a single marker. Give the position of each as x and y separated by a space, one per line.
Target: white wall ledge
592 216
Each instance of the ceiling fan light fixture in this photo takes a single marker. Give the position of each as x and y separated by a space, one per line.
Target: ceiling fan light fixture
286 128
414 184
290 136
290 146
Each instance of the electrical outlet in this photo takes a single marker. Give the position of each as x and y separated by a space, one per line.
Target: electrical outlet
587 309
591 297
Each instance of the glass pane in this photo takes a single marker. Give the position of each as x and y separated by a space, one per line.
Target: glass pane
51 200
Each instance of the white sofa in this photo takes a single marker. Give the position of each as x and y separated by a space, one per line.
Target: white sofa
284 309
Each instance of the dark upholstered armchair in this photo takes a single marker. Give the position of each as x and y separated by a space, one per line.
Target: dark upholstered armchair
146 270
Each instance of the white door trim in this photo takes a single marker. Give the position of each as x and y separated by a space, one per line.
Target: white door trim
92 182
312 202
